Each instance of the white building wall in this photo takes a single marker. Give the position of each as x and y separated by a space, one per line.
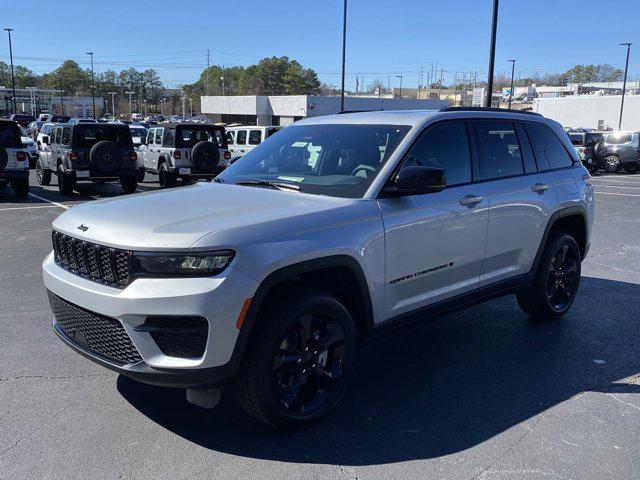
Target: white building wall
587 110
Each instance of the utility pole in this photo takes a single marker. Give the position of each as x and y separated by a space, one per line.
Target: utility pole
400 77
223 93
130 93
93 87
113 103
207 87
513 66
624 83
184 113
344 51
13 78
492 52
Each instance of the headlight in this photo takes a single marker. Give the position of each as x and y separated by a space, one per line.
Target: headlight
208 263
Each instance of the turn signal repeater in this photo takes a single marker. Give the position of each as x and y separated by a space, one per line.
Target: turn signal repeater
587 179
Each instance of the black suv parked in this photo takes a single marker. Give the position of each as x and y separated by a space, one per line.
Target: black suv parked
14 165
585 144
88 151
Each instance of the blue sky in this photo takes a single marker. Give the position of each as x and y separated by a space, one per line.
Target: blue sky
385 38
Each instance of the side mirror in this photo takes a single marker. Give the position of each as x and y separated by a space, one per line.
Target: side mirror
45 139
416 180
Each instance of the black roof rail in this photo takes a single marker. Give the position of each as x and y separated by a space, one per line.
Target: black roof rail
486 109
341 112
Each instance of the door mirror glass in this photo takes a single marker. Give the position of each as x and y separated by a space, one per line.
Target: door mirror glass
416 180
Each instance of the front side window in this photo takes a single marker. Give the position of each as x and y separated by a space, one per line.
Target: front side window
444 145
499 152
549 151
337 160
255 137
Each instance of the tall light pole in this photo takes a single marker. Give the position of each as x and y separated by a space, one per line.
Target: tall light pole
113 103
400 77
144 102
513 67
344 52
624 83
93 87
130 93
492 52
222 78
13 78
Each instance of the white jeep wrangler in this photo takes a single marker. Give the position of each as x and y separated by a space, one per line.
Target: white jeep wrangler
185 150
14 161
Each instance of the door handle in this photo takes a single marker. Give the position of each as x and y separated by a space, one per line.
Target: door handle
540 187
470 200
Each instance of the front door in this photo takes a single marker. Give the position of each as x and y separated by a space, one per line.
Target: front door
435 243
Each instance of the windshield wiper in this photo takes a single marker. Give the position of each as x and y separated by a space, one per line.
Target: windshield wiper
274 185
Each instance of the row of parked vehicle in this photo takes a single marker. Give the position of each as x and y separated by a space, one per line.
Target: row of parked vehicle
609 151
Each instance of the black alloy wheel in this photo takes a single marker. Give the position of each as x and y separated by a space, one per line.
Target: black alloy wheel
309 366
562 278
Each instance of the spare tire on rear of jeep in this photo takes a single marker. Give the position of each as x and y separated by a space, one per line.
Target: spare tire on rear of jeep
205 155
105 157
4 158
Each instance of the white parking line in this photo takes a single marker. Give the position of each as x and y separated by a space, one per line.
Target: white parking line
49 201
28 208
618 194
614 180
617 186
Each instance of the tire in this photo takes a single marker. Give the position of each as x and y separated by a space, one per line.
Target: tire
42 175
141 174
105 156
611 163
165 177
20 187
66 183
129 184
297 326
556 280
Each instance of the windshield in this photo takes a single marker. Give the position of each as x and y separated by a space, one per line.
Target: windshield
337 160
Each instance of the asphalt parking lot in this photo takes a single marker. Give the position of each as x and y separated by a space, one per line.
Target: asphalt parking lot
481 394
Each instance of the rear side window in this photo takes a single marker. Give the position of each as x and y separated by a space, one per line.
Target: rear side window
446 146
230 139
169 137
576 139
241 137
499 153
549 151
66 136
10 135
618 139
255 137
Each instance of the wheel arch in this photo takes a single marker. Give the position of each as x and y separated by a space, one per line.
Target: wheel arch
571 220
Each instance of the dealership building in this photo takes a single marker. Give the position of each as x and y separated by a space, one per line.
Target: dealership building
286 109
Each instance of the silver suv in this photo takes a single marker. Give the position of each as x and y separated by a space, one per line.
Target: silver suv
334 230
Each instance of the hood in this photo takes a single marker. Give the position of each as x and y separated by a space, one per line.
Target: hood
175 219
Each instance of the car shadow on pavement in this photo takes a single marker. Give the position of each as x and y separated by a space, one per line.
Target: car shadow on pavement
438 388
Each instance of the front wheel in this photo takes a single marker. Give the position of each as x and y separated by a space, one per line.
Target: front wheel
299 362
42 175
556 280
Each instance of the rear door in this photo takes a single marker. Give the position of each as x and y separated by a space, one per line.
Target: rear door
519 198
435 243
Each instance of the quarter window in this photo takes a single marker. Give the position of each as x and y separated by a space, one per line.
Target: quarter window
255 137
66 136
446 146
242 137
499 153
549 151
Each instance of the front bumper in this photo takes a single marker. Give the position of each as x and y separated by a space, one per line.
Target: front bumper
217 299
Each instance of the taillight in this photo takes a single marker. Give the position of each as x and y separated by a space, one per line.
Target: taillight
227 155
74 156
587 179
21 156
133 156
177 155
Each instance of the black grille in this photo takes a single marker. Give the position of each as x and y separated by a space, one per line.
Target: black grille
103 336
184 337
110 266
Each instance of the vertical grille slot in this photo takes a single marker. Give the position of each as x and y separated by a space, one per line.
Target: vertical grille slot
106 265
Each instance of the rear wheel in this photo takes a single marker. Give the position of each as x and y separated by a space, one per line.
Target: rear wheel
612 163
42 175
165 177
298 365
20 187
129 184
66 182
556 280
